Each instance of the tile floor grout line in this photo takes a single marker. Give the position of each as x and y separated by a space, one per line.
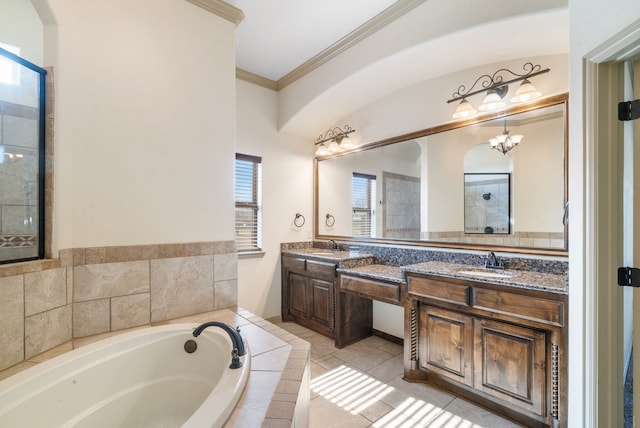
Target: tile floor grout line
421 400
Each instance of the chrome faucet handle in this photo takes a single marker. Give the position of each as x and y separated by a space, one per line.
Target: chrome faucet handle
493 262
235 359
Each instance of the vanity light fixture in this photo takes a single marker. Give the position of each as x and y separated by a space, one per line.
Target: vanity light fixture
338 141
505 142
496 87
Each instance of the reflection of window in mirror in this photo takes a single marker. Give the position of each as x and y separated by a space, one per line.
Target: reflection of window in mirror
363 196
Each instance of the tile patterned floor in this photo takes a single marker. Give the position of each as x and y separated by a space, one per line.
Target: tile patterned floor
361 386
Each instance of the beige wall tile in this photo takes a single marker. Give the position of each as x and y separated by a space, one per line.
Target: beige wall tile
11 321
110 279
66 257
186 250
47 330
226 266
130 253
95 255
69 285
45 290
130 311
92 317
181 286
225 294
223 247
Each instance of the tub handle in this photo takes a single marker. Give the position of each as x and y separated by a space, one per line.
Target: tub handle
235 359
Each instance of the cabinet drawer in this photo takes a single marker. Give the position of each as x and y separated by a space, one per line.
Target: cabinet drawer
313 268
439 290
375 290
295 264
520 306
321 270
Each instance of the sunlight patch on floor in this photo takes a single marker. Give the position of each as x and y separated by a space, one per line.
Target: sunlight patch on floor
355 391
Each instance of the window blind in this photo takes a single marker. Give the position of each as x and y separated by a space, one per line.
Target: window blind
248 202
362 195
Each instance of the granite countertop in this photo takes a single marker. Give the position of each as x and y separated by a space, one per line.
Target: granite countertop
364 265
380 272
321 253
556 283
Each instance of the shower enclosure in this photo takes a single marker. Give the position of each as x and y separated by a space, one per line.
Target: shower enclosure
22 158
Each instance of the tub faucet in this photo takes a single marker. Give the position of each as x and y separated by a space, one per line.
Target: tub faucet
493 262
234 334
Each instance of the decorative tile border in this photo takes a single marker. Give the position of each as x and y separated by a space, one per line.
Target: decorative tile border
12 241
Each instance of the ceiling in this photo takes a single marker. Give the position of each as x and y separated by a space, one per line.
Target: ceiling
277 36
281 42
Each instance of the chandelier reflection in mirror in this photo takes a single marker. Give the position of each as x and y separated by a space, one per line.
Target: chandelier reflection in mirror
505 142
496 87
334 140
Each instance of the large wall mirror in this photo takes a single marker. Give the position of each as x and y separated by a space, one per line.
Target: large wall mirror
418 188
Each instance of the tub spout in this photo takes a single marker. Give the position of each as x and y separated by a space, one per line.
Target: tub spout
234 334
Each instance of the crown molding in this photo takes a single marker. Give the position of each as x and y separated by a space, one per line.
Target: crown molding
220 8
247 76
376 23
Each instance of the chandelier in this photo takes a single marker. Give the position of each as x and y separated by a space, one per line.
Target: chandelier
505 141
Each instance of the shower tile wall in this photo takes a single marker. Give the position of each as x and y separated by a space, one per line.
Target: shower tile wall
401 204
18 190
89 291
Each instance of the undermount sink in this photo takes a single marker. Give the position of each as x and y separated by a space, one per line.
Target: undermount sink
487 273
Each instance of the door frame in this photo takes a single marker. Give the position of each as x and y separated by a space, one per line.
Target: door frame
600 342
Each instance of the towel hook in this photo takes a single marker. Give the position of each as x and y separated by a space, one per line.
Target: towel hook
297 220
330 220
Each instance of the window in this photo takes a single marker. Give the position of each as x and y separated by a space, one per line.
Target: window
22 159
363 195
248 202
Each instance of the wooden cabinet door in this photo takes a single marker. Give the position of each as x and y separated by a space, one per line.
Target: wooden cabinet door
446 343
298 295
510 364
321 304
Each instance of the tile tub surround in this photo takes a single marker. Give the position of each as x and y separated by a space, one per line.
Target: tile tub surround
277 392
88 291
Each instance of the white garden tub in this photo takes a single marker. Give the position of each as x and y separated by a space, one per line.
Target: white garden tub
143 378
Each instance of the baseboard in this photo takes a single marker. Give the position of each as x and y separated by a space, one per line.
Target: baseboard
388 337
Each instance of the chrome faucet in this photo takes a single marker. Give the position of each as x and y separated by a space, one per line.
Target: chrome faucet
238 344
333 245
493 262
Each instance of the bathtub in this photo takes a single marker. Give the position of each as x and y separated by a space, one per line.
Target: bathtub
143 378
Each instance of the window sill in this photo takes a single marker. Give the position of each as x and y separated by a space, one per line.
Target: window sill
251 254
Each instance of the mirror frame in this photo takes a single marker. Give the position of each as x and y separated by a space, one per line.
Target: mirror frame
544 102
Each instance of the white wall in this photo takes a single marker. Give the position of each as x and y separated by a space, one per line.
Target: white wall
21 26
287 175
145 122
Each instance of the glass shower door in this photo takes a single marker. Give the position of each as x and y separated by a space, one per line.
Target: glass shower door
22 159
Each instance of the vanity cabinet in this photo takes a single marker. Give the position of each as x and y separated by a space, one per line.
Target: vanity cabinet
446 343
503 347
308 288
